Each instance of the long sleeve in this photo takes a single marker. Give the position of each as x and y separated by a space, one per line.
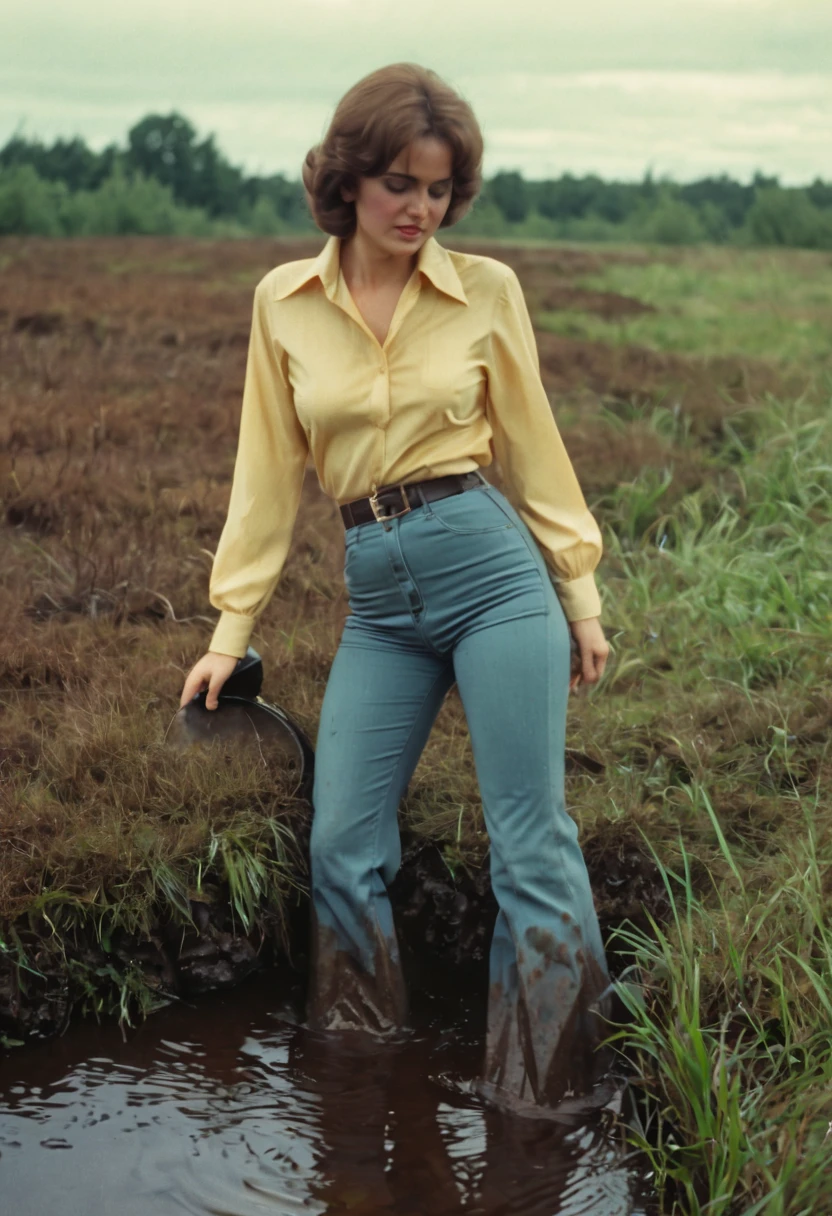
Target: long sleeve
539 475
265 491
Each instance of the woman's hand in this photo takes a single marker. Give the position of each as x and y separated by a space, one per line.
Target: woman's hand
210 672
593 649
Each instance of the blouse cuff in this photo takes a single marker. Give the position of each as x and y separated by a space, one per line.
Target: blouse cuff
232 633
579 597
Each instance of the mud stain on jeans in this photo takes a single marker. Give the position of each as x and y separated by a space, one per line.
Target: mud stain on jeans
345 995
542 1044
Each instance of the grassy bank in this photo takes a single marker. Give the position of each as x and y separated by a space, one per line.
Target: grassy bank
693 392
731 789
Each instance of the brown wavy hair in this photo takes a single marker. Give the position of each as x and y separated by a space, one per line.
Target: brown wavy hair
373 122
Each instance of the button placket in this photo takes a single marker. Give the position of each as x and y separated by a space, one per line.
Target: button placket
407 584
381 395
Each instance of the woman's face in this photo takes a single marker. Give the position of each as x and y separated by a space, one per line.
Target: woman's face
400 210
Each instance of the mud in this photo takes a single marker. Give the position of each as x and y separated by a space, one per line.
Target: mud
608 305
706 389
345 996
538 265
39 995
543 1041
543 1038
443 922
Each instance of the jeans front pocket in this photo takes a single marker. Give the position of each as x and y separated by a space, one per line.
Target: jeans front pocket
512 516
471 513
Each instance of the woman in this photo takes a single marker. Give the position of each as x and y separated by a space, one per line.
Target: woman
403 369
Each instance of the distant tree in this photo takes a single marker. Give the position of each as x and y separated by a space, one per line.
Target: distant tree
716 225
128 202
508 191
729 196
617 201
72 162
789 217
215 183
672 222
67 160
263 219
28 204
820 193
484 219
162 147
285 196
568 197
650 188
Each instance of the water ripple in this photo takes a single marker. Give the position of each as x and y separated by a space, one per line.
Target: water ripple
226 1110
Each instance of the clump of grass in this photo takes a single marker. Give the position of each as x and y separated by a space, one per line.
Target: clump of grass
116 818
729 1036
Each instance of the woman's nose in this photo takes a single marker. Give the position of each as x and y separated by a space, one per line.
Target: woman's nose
418 206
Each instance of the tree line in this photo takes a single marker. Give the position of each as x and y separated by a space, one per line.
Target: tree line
168 180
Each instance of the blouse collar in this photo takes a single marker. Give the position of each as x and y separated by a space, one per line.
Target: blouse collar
433 261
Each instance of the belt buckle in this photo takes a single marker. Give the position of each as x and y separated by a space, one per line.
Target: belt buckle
374 503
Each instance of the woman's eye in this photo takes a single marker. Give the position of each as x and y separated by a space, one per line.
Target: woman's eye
401 187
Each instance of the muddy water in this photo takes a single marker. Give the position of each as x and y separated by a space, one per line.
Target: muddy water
230 1106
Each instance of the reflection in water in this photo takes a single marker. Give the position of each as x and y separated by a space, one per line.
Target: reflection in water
230 1108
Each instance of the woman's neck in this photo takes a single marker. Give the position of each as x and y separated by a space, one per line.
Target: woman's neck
367 268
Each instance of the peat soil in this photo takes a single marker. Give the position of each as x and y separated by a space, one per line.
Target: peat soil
444 923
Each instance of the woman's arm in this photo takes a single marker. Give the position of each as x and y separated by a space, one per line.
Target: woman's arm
539 475
265 493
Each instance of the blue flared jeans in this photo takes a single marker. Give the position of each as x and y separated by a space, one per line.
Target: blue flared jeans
456 591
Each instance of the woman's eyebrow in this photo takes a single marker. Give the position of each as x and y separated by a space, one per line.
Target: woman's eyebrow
409 177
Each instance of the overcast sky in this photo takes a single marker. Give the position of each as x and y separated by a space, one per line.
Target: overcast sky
681 87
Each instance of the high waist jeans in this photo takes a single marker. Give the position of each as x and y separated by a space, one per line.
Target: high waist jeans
456 591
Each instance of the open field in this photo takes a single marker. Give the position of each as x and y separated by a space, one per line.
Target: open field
693 391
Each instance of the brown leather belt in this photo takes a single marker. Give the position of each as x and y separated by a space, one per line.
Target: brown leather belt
390 501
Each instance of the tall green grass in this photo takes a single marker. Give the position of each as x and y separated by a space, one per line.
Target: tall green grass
736 1067
722 611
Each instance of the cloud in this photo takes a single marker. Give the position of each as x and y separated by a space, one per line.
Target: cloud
693 85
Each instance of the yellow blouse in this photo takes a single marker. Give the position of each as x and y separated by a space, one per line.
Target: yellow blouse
456 384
